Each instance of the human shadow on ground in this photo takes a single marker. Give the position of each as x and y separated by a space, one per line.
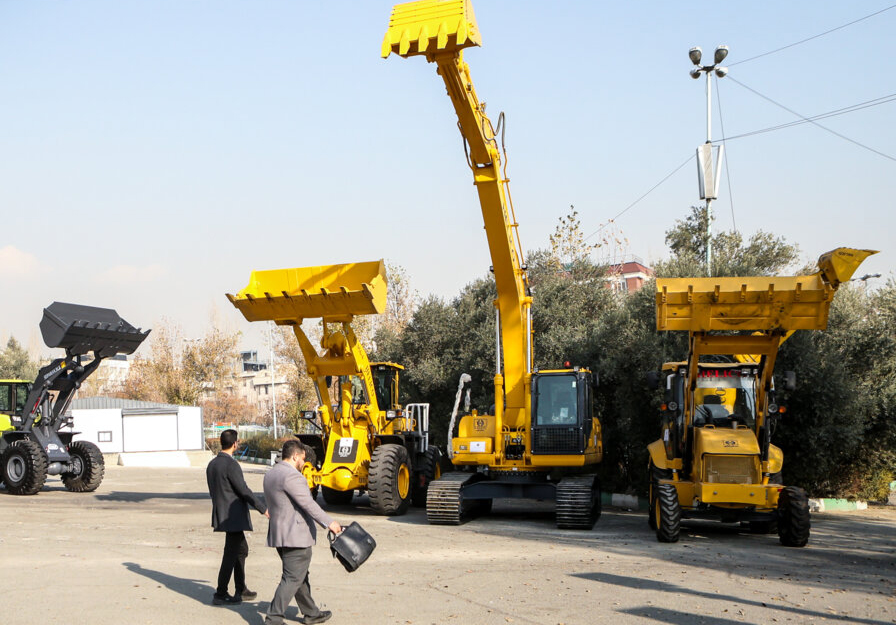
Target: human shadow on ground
671 616
140 497
200 591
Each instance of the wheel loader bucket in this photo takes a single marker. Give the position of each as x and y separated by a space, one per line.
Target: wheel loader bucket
777 304
81 329
431 26
333 291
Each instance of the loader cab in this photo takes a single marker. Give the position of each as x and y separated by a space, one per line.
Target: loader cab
385 384
13 394
725 396
562 411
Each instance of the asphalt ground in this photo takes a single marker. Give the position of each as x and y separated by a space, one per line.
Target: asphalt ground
140 550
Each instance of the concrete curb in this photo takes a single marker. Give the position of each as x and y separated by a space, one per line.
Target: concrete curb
840 505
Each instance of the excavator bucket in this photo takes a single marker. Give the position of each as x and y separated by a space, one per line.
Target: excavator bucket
431 26
81 329
765 303
333 291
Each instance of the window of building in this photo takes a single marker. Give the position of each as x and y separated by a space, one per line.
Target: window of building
104 437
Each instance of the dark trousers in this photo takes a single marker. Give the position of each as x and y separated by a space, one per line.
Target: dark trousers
233 563
293 583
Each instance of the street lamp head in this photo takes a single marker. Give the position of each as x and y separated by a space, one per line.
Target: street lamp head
721 72
721 53
695 73
695 54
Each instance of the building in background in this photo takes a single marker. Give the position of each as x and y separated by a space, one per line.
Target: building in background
629 276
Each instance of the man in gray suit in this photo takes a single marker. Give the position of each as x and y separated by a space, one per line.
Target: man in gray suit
292 531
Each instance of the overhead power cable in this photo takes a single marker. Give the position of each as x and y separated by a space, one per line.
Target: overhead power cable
841 111
649 191
811 121
827 32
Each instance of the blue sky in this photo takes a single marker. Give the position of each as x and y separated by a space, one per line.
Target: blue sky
152 154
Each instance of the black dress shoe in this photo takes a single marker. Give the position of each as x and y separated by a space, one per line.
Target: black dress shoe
323 617
247 595
225 600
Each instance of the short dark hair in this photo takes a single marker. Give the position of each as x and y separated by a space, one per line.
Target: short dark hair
228 438
291 448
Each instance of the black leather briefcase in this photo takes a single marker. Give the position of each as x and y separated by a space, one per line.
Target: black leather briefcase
352 547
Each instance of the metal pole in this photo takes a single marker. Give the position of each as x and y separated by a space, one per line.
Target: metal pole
273 385
709 201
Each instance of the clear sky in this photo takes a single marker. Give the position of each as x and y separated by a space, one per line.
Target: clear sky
152 154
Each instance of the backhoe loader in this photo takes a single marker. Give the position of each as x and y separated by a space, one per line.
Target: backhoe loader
366 441
32 443
543 438
715 459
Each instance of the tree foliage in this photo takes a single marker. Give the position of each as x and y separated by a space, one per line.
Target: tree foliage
15 363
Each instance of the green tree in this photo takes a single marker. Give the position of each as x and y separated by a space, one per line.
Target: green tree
15 363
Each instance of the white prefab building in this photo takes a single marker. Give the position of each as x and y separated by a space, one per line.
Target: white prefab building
126 425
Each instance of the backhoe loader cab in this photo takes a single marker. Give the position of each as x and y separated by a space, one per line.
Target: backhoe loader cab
13 394
715 458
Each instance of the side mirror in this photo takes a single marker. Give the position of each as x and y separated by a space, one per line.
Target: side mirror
329 381
653 380
789 380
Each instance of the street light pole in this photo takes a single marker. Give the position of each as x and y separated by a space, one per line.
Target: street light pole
710 183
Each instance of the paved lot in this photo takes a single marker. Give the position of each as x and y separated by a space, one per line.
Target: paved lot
140 551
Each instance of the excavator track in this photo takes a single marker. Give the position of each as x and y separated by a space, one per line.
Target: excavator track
578 502
444 500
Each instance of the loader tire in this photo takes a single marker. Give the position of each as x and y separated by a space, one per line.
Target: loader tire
668 514
389 480
337 497
430 469
793 517
88 468
311 459
654 475
24 467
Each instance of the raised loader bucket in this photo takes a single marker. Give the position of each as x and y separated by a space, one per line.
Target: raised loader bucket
431 26
335 291
81 329
761 303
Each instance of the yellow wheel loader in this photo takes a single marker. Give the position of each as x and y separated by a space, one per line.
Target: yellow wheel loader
366 441
715 459
35 435
543 438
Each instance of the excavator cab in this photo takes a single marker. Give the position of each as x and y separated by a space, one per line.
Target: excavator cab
562 410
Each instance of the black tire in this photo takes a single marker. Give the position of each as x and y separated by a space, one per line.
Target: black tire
24 467
668 514
389 480
88 468
430 469
337 497
793 517
654 475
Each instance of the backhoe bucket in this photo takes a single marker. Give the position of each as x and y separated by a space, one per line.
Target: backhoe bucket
431 26
333 291
81 329
838 265
777 304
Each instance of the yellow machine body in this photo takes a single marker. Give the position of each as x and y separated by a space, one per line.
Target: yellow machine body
715 447
512 440
335 294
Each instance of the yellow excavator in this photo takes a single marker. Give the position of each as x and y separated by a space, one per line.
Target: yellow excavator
715 459
366 441
542 440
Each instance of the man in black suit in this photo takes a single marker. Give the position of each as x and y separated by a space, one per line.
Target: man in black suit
231 499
